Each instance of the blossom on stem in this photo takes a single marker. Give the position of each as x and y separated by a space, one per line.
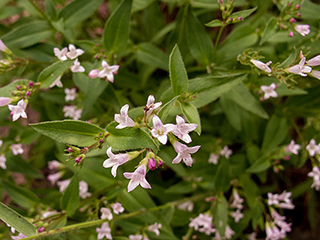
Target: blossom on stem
76 67
312 147
315 61
104 231
3 47
159 130
182 129
4 101
53 178
107 71
202 223
226 152
94 73
123 119
70 94
63 185
57 83
117 208
106 213
315 74
61 54
184 153
187 206
303 29
135 237
293 148
137 177
151 105
237 200
54 165
269 91
83 190
237 215
71 111
213 158
315 173
48 213
262 66
18 110
73 52
17 149
3 161
300 68
20 236
155 228
115 160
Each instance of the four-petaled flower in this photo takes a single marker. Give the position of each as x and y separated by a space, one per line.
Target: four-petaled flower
56 82
184 153
104 231
108 71
18 111
269 91
137 177
226 152
300 68
83 190
213 158
71 111
155 228
117 208
17 149
106 213
293 148
313 148
261 65
115 160
61 54
182 129
302 29
151 105
73 52
76 67
159 130
3 161
237 215
123 119
70 94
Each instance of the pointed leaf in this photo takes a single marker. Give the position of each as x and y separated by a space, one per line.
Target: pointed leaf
221 214
70 198
214 23
151 55
165 110
243 14
292 57
269 30
222 178
192 115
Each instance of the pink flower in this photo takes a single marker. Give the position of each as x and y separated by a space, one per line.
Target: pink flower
3 47
159 130
108 71
269 91
315 74
293 148
123 119
182 129
117 208
20 236
53 178
155 228
300 68
184 153
76 67
70 94
315 173
151 105
137 177
94 73
54 165
237 200
56 82
135 237
4 101
106 213
71 111
315 61
261 65
63 185
3 161
226 152
273 199
302 29
60 54
48 213
83 190
73 52
18 111
312 147
115 160
202 223
214 158
237 215
17 149
188 206
104 231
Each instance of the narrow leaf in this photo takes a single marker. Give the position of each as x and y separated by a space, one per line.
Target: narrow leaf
269 30
214 23
70 197
151 55
192 115
222 177
243 14
221 214
165 110
292 57
259 165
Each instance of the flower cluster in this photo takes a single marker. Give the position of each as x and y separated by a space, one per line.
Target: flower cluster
73 53
226 152
280 201
237 203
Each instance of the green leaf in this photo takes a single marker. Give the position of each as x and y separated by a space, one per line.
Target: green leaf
276 131
6 91
51 73
214 23
165 110
221 214
259 165
222 178
70 198
17 164
242 14
116 31
181 188
292 57
177 72
139 5
232 111
192 115
16 221
269 30
50 9
199 42
77 11
129 138
69 131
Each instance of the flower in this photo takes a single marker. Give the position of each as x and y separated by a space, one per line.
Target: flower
18 111
104 231
269 91
56 82
123 119
83 190
137 177
151 105
184 153
182 129
60 54
272 232
300 68
3 47
228 232
17 149
3 161
315 61
106 213
94 73
117 208
315 74
107 71
152 164
4 101
53 178
48 213
76 67
312 147
20 236
115 160
261 65
63 185
73 52
293 148
237 200
54 165
214 158
202 223
188 206
302 29
159 130
315 173
71 111
155 228
135 237
226 152
273 199
70 94
1 142
237 215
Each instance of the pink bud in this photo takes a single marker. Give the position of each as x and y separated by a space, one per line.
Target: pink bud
18 87
41 229
292 20
231 19
101 141
281 26
239 18
286 157
152 164
298 14
78 159
70 149
102 50
289 4
290 34
30 84
4 101
98 44
298 6
160 163
94 73
28 93
115 72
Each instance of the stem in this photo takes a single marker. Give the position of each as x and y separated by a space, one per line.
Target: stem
218 38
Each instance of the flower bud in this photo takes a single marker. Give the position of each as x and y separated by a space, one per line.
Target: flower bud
30 84
28 93
160 163
94 73
298 6
4 101
80 158
298 14
41 229
290 34
152 164
292 20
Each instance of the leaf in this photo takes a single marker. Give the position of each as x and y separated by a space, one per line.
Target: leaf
116 31
129 138
17 164
292 57
269 30
214 23
262 164
77 11
199 42
222 178
232 111
165 110
69 131
51 73
177 72
221 214
50 9
192 115
242 14
139 5
6 91
15 220
70 198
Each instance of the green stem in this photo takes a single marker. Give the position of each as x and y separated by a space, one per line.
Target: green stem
218 38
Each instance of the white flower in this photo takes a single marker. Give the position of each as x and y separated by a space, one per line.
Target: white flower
237 215
261 65
315 61
48 213
226 152
137 177
71 111
83 190
188 206
155 228
106 213
60 54
94 73
184 153
214 158
273 199
4 101
56 82
63 185
54 165
182 129
104 231
107 71
17 149
76 67
315 74
73 52
237 200
300 68
18 111
159 130
70 94
3 161
312 147
293 148
228 232
117 208
135 237
20 236
315 173
123 119
302 29
115 160
202 223
53 178
269 91
151 105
